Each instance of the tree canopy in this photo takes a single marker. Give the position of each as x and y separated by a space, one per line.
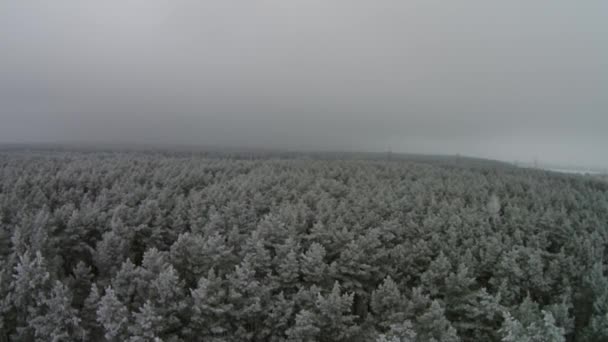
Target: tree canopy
134 246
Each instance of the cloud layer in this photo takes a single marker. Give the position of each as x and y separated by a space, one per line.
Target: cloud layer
513 80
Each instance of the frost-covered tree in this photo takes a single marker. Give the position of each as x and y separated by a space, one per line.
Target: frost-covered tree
401 332
29 289
233 247
387 304
543 330
80 283
334 318
434 326
305 328
58 320
146 324
313 266
88 314
113 316
210 318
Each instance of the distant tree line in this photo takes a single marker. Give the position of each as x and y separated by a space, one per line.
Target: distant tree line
144 247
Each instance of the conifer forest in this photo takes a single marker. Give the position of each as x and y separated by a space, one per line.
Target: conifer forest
149 246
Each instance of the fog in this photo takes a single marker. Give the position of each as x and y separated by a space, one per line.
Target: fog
510 80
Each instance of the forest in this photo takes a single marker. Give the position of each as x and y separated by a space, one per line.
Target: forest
143 246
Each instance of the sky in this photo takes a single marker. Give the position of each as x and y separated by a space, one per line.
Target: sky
510 80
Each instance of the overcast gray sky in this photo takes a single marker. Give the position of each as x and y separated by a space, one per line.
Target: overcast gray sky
511 80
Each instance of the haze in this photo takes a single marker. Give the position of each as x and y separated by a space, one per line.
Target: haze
511 80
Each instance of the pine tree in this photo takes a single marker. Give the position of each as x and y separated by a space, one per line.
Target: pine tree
561 311
246 296
279 318
543 330
434 326
81 283
334 315
29 288
145 325
5 237
272 231
402 332
125 284
313 266
88 314
168 300
5 306
39 239
113 316
387 304
417 303
180 216
110 253
596 285
197 212
188 257
153 263
257 255
210 318
194 255
493 206
288 265
58 321
434 279
354 268
305 328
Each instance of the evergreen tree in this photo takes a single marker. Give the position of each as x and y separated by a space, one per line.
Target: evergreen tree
58 321
543 330
188 257
288 264
110 253
211 310
434 326
313 264
113 316
80 283
596 285
145 325
387 304
305 328
125 285
334 318
246 296
279 318
167 299
88 314
402 332
29 288
434 279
